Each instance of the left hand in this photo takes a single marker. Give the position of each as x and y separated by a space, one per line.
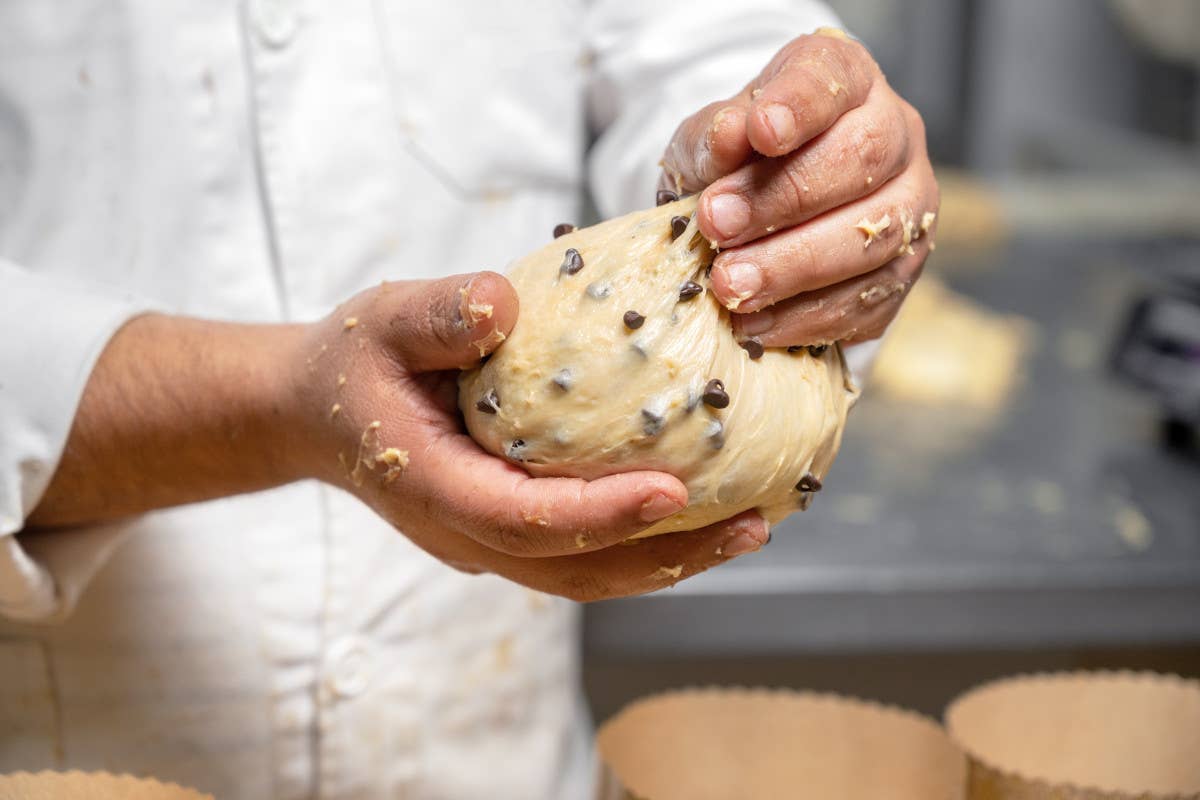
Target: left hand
373 397
791 168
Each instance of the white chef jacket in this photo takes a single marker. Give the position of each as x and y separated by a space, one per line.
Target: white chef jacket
264 162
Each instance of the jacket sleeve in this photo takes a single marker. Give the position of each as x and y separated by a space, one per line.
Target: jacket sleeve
655 62
51 332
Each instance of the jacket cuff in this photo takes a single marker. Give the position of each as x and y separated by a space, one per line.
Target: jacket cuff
52 332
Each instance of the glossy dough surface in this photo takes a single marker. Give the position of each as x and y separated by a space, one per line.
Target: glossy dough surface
576 391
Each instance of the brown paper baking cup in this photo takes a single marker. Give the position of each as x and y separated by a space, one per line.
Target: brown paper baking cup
90 786
1081 736
719 744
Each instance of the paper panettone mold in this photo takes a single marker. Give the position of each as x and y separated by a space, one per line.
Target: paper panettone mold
75 785
1081 736
716 744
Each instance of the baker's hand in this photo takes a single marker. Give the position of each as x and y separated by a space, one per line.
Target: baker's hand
819 194
379 382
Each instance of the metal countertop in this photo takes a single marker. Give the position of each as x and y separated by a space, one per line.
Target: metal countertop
937 529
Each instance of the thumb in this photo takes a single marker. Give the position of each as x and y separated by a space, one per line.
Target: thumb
453 322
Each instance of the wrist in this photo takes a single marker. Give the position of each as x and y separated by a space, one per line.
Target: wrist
291 407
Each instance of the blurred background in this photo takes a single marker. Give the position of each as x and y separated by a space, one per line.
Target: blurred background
1019 489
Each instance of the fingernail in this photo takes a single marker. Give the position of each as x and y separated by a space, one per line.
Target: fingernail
742 281
744 542
756 323
659 507
782 123
730 214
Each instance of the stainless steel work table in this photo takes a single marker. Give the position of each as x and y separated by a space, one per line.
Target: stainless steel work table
932 534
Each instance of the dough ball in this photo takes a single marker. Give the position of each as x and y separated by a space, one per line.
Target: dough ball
622 359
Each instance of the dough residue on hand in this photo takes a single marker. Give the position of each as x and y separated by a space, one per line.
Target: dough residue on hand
872 229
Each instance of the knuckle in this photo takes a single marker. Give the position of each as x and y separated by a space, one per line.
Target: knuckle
844 63
507 540
871 145
918 147
515 538
442 321
935 191
857 53
903 133
793 190
915 123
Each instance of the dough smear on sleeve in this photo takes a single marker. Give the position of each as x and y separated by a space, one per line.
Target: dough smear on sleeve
622 359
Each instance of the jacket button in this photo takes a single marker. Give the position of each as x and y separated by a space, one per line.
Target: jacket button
349 667
275 21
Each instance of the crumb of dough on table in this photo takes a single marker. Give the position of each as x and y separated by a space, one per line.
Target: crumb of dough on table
1133 528
946 349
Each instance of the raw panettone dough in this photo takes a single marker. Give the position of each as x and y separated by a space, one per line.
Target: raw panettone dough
611 365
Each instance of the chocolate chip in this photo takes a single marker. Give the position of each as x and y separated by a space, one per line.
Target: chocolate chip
652 422
562 379
572 262
752 345
689 289
664 196
516 450
715 394
678 226
809 483
598 291
633 320
489 403
796 348
817 350
715 433
563 228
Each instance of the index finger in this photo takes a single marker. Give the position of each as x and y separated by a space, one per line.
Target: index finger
812 82
502 507
707 145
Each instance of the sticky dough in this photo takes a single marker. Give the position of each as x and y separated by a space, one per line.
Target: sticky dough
576 392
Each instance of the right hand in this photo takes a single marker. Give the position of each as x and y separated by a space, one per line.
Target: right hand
387 361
